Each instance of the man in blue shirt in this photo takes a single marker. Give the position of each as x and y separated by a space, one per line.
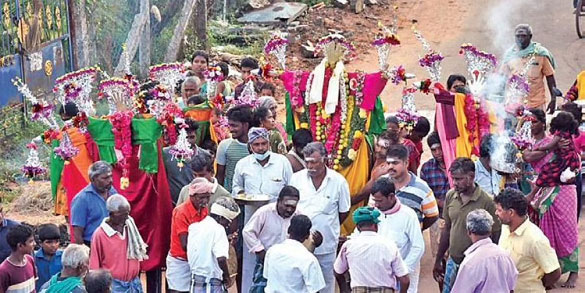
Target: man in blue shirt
88 208
48 258
5 249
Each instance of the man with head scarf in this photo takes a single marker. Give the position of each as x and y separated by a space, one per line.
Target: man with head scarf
374 263
208 248
178 273
262 173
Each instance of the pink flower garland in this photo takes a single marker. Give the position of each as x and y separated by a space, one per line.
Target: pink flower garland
121 127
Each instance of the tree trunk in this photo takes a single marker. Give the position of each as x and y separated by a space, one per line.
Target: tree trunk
134 36
79 34
199 22
145 43
179 34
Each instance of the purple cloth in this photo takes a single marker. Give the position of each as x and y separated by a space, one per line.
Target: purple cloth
446 101
486 268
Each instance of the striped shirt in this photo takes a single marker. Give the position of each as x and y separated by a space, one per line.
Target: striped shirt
419 196
229 152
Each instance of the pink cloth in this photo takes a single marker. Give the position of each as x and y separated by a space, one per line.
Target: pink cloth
448 146
372 260
265 228
111 253
559 223
486 268
580 142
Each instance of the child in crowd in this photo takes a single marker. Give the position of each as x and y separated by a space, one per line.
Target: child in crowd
17 272
247 67
268 89
565 163
48 257
224 87
195 100
401 134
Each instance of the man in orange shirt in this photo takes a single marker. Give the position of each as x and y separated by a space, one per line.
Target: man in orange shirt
541 66
194 210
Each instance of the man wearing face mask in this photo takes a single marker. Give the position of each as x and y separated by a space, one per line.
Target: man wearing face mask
538 63
269 226
325 200
260 173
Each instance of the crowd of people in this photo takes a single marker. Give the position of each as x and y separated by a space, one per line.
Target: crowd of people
490 231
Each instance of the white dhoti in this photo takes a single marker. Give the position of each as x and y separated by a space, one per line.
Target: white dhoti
326 262
414 276
248 258
178 274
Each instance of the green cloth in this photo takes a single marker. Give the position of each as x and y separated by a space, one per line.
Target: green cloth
570 263
56 166
290 116
203 126
146 132
64 286
377 120
533 48
366 214
101 132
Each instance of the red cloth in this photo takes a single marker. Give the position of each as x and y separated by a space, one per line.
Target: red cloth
183 215
446 101
150 199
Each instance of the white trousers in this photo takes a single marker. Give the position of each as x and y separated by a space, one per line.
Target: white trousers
414 276
248 258
326 262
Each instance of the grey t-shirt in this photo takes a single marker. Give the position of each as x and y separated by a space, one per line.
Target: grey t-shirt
177 177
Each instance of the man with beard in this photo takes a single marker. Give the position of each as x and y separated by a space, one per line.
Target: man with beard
325 200
230 151
269 226
541 66
260 173
434 173
88 208
464 198
411 190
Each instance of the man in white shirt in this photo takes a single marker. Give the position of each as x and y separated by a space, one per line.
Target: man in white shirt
267 227
325 200
485 176
208 248
289 266
260 173
399 224
374 263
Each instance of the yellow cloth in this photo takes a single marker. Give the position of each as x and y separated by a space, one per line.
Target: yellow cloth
357 175
532 254
464 147
581 85
61 207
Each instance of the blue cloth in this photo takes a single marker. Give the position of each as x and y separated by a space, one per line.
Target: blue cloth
134 286
88 210
258 280
5 249
450 274
47 268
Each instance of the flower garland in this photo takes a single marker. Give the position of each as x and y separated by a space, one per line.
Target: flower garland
40 110
296 96
181 150
383 43
118 91
479 65
423 86
167 118
76 87
398 75
66 150
523 138
277 47
32 167
478 123
50 135
121 127
168 74
357 123
431 61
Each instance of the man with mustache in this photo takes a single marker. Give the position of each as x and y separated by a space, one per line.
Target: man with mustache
260 173
269 226
325 200
411 190
465 197
88 208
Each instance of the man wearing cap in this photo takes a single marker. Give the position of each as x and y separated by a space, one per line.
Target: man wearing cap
267 227
194 210
260 173
208 248
374 263
325 200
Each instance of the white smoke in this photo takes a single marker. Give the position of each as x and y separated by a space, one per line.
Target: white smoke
500 22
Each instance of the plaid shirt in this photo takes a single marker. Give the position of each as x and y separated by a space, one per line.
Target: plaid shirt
436 178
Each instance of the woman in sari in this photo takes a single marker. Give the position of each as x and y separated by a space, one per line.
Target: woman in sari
557 214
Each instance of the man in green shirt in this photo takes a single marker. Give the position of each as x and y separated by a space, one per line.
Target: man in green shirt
466 196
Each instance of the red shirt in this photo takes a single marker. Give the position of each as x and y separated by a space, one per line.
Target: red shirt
184 215
110 251
18 279
413 155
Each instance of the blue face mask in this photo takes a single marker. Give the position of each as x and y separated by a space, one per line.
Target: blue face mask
262 157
